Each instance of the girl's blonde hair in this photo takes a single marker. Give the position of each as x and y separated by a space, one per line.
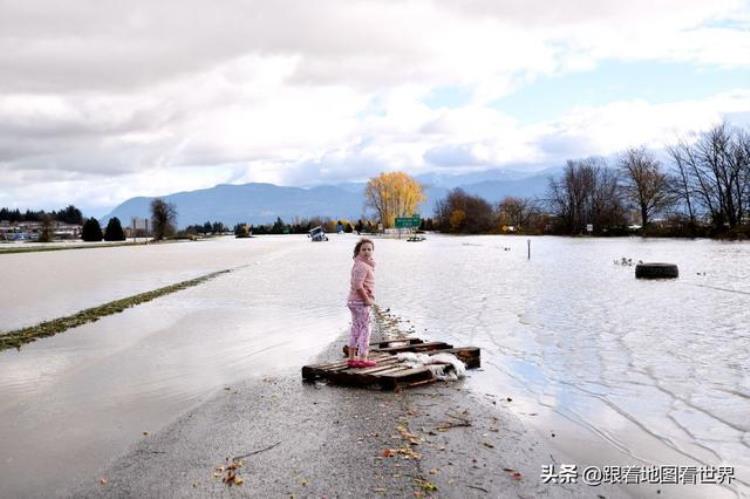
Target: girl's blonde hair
359 245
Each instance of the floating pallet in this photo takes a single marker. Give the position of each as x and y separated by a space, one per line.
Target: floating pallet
389 373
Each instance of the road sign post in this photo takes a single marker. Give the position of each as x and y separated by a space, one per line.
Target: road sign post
412 222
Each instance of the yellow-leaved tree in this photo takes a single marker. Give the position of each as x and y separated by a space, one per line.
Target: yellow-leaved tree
392 195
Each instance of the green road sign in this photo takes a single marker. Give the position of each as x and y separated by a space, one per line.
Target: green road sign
408 222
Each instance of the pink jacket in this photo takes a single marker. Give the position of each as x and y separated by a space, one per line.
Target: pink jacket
363 275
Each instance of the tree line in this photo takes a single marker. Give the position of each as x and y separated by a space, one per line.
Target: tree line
704 191
90 230
207 228
462 213
69 215
304 225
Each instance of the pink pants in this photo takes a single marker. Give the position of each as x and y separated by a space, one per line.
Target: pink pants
359 337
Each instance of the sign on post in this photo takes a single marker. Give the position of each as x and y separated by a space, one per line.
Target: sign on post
412 222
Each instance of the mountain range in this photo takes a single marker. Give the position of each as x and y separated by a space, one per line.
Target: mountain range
259 203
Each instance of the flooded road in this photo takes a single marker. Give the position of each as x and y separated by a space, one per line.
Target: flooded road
620 371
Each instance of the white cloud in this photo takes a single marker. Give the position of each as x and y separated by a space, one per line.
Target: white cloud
620 125
100 101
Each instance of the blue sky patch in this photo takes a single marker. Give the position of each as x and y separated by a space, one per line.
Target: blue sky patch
448 97
655 82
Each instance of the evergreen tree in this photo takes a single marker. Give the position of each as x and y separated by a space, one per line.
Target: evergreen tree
70 215
114 231
279 227
91 231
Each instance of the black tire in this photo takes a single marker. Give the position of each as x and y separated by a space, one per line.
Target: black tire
656 271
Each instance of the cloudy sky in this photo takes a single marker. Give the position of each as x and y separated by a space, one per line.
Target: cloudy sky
102 100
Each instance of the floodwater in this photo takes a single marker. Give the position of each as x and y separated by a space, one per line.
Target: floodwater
608 369
71 403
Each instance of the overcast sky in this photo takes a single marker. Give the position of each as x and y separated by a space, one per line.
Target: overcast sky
104 100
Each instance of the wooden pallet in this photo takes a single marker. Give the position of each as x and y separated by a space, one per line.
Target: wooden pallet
390 374
413 345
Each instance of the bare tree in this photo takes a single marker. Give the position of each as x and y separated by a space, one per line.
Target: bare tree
606 205
568 195
680 183
163 218
715 173
587 193
47 231
516 211
644 182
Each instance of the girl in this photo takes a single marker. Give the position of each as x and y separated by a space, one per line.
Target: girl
361 297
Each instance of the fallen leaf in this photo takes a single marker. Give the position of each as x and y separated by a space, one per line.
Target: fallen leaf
425 485
103 481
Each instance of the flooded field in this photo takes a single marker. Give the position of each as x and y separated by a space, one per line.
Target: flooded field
609 369
613 370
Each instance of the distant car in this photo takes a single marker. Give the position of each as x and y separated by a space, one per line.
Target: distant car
317 234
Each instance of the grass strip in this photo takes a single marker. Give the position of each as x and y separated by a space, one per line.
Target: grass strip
14 339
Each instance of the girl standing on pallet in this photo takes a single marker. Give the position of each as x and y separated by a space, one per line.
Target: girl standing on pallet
361 297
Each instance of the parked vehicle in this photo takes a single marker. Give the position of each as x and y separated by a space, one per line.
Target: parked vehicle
317 234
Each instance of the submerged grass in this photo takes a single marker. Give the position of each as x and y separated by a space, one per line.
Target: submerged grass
14 339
